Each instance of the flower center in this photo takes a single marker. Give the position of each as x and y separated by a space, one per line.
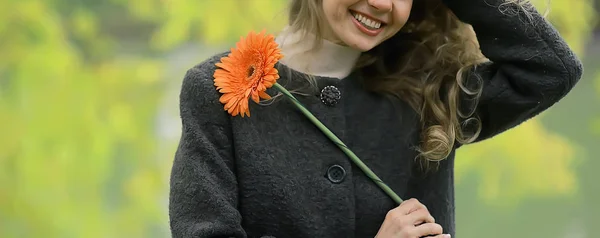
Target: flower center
251 71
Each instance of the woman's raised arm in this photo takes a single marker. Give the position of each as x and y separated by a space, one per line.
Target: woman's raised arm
531 66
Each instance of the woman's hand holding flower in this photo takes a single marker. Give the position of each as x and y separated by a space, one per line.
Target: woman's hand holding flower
410 220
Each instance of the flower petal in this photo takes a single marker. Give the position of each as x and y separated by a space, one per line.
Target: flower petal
255 97
264 95
258 52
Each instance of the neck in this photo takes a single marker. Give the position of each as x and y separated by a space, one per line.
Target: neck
329 60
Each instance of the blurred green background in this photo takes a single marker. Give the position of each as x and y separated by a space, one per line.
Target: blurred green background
89 121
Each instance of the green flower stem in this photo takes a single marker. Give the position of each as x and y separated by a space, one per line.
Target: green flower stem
340 144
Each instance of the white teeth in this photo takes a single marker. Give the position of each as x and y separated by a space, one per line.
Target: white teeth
367 22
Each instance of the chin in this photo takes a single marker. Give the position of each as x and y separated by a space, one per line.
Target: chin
360 42
362 46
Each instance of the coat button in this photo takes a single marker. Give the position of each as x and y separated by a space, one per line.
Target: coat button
336 174
330 95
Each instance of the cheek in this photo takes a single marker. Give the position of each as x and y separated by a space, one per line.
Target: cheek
340 13
334 13
335 9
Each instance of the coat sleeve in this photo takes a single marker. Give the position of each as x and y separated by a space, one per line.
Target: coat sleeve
531 67
203 189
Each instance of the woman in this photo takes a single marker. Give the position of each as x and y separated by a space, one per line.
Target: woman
395 80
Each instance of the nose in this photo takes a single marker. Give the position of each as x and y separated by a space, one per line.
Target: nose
381 5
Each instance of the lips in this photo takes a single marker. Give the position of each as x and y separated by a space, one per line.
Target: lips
367 21
367 24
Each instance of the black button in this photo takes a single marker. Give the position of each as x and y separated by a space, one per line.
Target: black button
330 95
336 174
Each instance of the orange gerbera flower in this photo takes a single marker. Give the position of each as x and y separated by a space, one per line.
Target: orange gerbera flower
247 72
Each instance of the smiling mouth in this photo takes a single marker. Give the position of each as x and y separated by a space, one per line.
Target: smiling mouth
367 22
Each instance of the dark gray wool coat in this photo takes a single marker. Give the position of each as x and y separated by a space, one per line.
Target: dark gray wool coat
275 174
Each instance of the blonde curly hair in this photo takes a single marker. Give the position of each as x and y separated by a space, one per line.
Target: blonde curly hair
438 52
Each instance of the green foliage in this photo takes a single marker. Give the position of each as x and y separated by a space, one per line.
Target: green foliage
525 162
598 84
77 157
596 122
596 126
209 21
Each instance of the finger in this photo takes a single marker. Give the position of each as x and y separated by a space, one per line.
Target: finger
409 206
420 217
430 229
440 236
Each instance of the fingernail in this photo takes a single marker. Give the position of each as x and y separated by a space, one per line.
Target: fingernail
447 236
